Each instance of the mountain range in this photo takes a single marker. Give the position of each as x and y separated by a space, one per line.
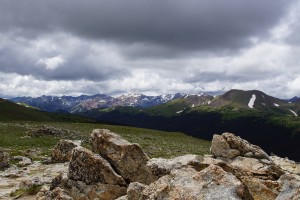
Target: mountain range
237 99
268 121
10 111
84 102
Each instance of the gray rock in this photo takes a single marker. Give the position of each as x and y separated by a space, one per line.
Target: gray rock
128 159
45 130
23 161
220 148
135 190
62 152
230 146
29 183
4 159
57 193
90 168
290 188
122 198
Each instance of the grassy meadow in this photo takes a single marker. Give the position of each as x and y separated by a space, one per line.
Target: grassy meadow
15 138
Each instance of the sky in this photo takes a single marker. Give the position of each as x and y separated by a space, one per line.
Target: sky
74 47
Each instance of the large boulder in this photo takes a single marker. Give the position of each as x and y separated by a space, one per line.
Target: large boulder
186 183
230 146
62 152
128 159
90 168
4 160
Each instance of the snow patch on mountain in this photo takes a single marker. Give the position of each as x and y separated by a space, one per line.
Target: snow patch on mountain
251 101
275 104
294 112
179 111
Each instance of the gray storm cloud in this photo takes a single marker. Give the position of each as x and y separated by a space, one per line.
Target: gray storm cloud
157 46
189 24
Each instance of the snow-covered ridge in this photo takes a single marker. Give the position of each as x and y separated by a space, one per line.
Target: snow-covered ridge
251 101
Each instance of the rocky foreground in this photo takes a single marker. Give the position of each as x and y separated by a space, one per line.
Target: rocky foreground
117 169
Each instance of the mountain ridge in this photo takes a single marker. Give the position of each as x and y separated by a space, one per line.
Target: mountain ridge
85 102
233 98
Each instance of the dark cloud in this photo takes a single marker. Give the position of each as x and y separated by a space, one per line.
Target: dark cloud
64 62
189 24
156 46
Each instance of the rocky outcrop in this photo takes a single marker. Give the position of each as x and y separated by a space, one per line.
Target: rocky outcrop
45 130
186 183
128 159
121 170
92 168
62 152
4 160
230 146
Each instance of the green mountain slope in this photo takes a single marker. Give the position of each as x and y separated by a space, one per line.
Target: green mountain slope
13 112
238 99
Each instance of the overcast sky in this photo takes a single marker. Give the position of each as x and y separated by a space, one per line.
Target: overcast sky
73 47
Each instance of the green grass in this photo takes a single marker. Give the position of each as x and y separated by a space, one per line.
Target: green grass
30 191
14 138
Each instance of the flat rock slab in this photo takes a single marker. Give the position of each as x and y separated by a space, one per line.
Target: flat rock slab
161 166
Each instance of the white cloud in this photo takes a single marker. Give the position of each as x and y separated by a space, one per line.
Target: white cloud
51 63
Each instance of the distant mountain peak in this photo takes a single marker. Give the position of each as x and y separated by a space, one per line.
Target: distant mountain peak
83 103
